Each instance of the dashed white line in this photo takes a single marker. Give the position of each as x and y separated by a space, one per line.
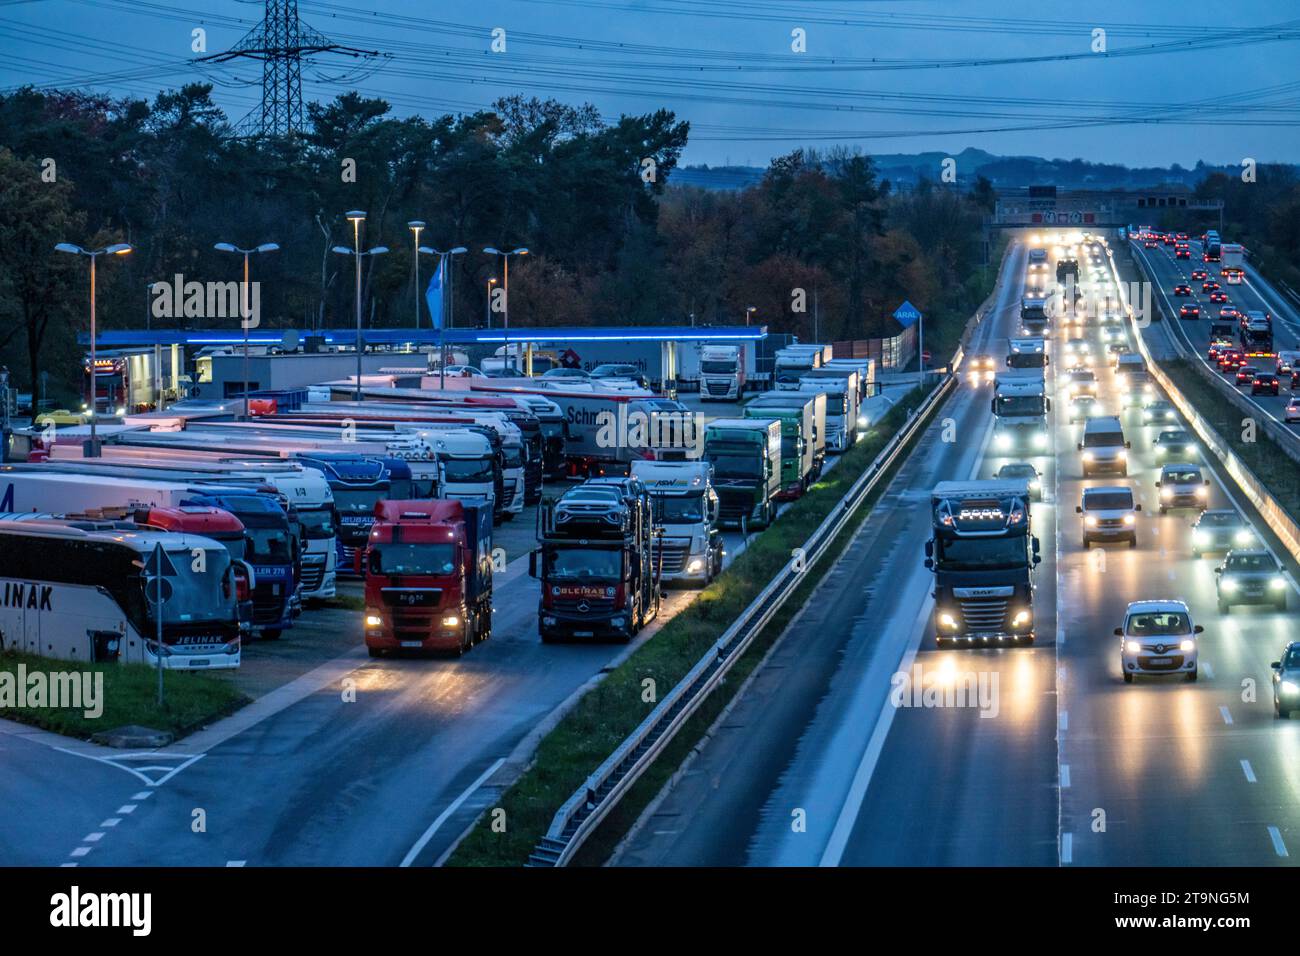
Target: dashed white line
80 851
1204 666
1279 847
1063 721
1065 775
143 795
92 838
1227 717
1246 769
111 822
126 808
1067 847
69 864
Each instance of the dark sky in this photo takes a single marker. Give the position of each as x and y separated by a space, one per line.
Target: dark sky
728 67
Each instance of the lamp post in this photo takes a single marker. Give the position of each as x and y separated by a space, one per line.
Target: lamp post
491 282
448 305
357 217
243 299
117 249
749 310
416 225
505 288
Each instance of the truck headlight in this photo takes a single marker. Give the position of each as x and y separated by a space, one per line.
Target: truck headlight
1201 538
947 620
1243 537
1040 440
695 565
1090 521
1004 441
1277 584
862 421
1088 456
1130 519
1021 619
1228 584
1166 493
1202 491
374 620
617 621
1133 647
1289 687
451 620
1187 646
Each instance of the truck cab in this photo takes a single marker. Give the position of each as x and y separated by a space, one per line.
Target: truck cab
722 372
746 458
428 573
1020 406
1027 352
983 554
686 506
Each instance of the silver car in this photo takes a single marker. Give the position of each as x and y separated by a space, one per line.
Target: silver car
1158 637
1250 576
1286 681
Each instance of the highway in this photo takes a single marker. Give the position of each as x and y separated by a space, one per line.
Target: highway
1061 763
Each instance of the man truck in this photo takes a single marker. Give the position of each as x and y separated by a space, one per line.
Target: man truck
983 553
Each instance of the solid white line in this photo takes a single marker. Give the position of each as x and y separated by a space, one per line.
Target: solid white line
1227 717
1276 836
1250 774
421 843
69 864
1065 775
1067 847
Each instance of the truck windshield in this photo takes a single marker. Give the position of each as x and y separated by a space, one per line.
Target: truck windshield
736 466
979 554
681 509
416 558
268 546
317 523
1020 405
514 456
468 469
1026 360
718 368
357 501
581 564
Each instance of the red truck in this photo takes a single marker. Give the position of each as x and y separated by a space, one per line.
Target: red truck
428 571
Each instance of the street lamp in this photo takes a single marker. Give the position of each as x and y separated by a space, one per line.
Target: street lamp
505 287
117 249
416 225
491 282
749 310
357 217
243 299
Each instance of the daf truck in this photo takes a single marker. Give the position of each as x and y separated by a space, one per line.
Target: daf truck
793 361
685 504
746 457
1020 407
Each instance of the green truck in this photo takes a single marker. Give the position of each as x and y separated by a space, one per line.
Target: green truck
803 435
746 457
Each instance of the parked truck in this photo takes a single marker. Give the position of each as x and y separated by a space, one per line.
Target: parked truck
428 571
746 457
983 553
595 561
840 387
1020 407
722 372
803 429
685 504
793 361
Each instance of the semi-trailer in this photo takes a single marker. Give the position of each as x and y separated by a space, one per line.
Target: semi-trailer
746 457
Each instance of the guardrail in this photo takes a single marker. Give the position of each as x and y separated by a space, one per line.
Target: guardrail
1275 516
578 818
1287 440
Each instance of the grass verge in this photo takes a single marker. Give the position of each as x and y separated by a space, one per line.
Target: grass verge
1269 462
605 716
129 696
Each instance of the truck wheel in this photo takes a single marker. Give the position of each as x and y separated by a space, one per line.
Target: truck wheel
1128 678
508 515
375 652
271 634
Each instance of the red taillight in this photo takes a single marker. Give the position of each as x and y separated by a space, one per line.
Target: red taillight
242 590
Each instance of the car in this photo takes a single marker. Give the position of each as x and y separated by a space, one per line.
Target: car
1246 374
1295 379
1288 361
1218 345
1190 311
1079 351
1182 289
464 371
1229 313
1149 244
1181 237
1221 529
1292 413
1250 576
1111 334
1199 275
1182 253
1182 486
1081 381
1264 382
1229 359
1084 407
1209 286
1286 680
1115 350
616 370
1158 637
1023 471
1218 296
1158 411
1174 444
569 374
1109 514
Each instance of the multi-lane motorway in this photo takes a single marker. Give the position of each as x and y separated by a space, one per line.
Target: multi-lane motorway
1059 761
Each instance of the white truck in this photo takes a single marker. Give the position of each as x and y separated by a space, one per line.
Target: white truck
685 505
794 360
1232 262
1020 407
843 423
866 369
722 372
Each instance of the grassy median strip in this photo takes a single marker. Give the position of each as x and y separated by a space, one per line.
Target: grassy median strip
1271 465
119 695
613 709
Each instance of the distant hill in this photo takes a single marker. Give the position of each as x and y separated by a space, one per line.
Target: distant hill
906 169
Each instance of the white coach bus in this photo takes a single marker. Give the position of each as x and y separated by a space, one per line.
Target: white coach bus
74 590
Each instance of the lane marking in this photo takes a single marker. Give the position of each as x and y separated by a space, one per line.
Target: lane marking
126 808
111 822
421 843
1063 721
92 838
1205 666
80 851
235 862
1067 847
1279 847
1065 775
143 795
1246 769
1227 717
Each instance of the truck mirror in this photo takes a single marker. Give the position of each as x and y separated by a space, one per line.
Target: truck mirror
1037 546
532 564
1137 507
1078 509
1198 629
1128 444
1276 665
1038 558
929 564
929 548
1157 482
1079 446
1049 404
1119 632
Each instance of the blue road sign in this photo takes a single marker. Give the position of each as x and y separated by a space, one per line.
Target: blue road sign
907 314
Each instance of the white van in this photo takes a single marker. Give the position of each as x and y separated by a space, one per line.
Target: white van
1104 448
